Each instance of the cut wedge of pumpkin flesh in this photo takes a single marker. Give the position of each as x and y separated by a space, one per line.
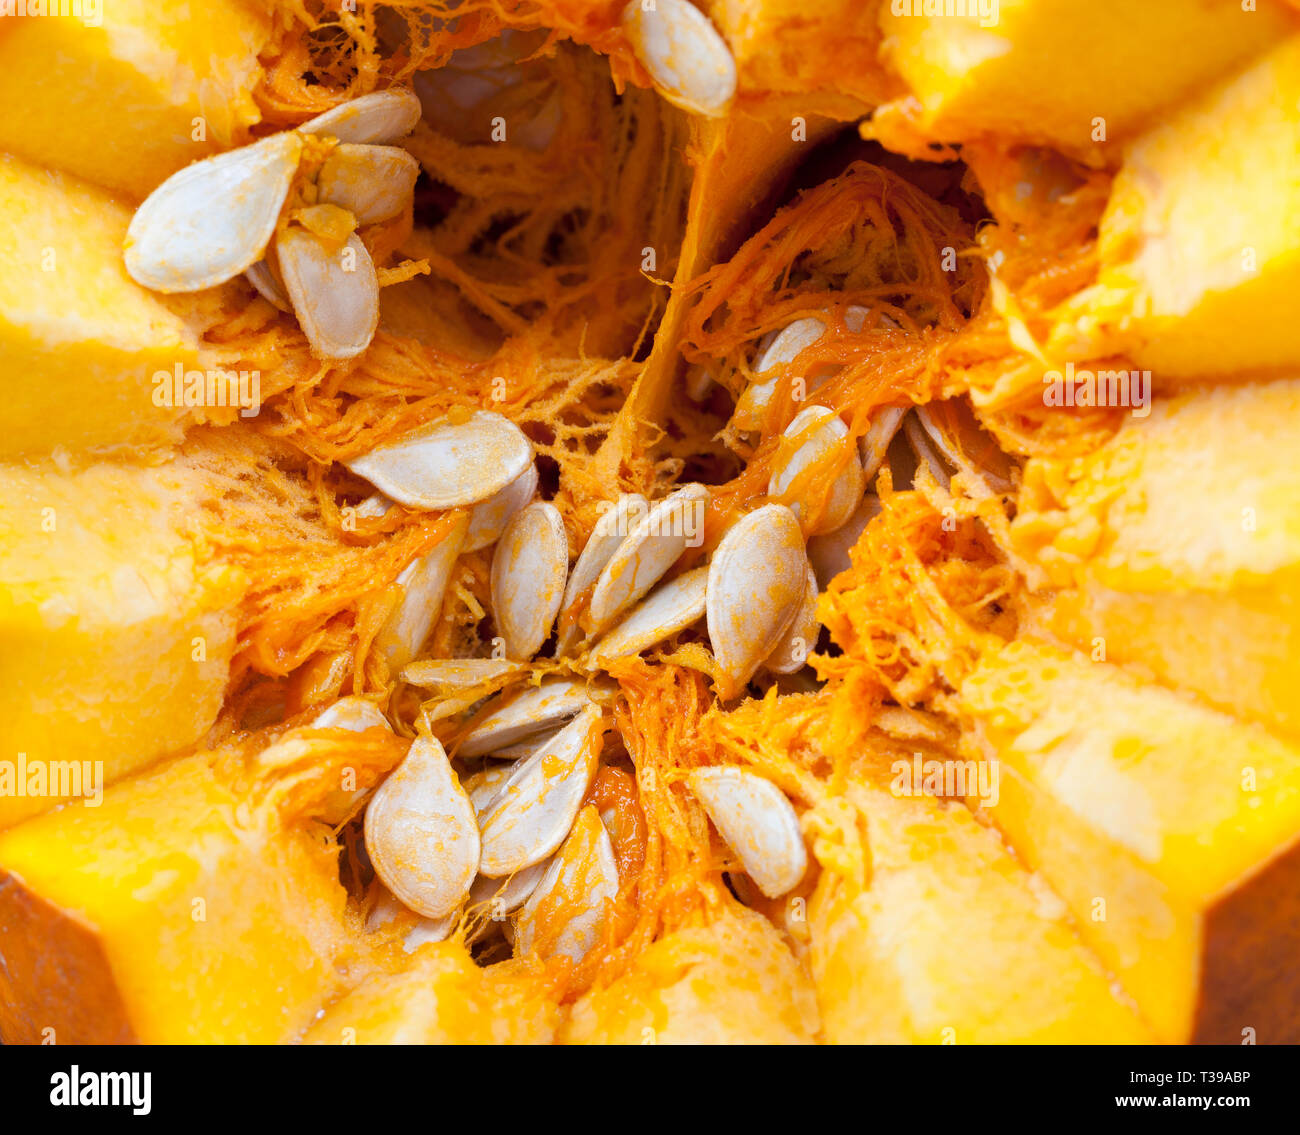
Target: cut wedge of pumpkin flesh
1052 73
952 941
183 908
1176 546
117 626
441 997
139 91
80 341
1179 265
1170 830
201 900
735 981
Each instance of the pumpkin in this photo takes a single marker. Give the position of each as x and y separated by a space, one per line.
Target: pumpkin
660 592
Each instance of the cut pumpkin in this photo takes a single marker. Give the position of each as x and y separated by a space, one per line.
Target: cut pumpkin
197 903
1170 830
80 341
1190 287
1057 73
116 625
138 90
952 942
1176 546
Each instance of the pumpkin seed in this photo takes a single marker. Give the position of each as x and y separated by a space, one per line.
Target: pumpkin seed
823 434
670 608
423 583
525 748
335 294
448 465
352 713
649 550
758 823
773 351
522 714
829 554
378 118
757 579
268 287
373 183
506 895
535 808
581 881
482 787
918 437
965 444
689 62
489 518
529 570
457 673
791 653
607 535
874 444
421 832
212 220
387 908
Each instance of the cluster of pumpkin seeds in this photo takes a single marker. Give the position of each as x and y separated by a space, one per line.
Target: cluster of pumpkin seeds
514 836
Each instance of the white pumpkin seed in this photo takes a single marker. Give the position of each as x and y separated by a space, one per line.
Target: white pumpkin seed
926 451
457 673
791 653
874 444
352 713
421 832
489 518
378 118
581 881
212 220
689 62
268 287
524 713
335 294
448 465
529 569
757 580
758 823
964 443
387 908
829 554
824 434
670 608
606 535
482 787
525 748
424 584
373 183
534 810
504 896
774 351
652 546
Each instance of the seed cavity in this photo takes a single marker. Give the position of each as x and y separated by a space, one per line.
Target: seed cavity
757 822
